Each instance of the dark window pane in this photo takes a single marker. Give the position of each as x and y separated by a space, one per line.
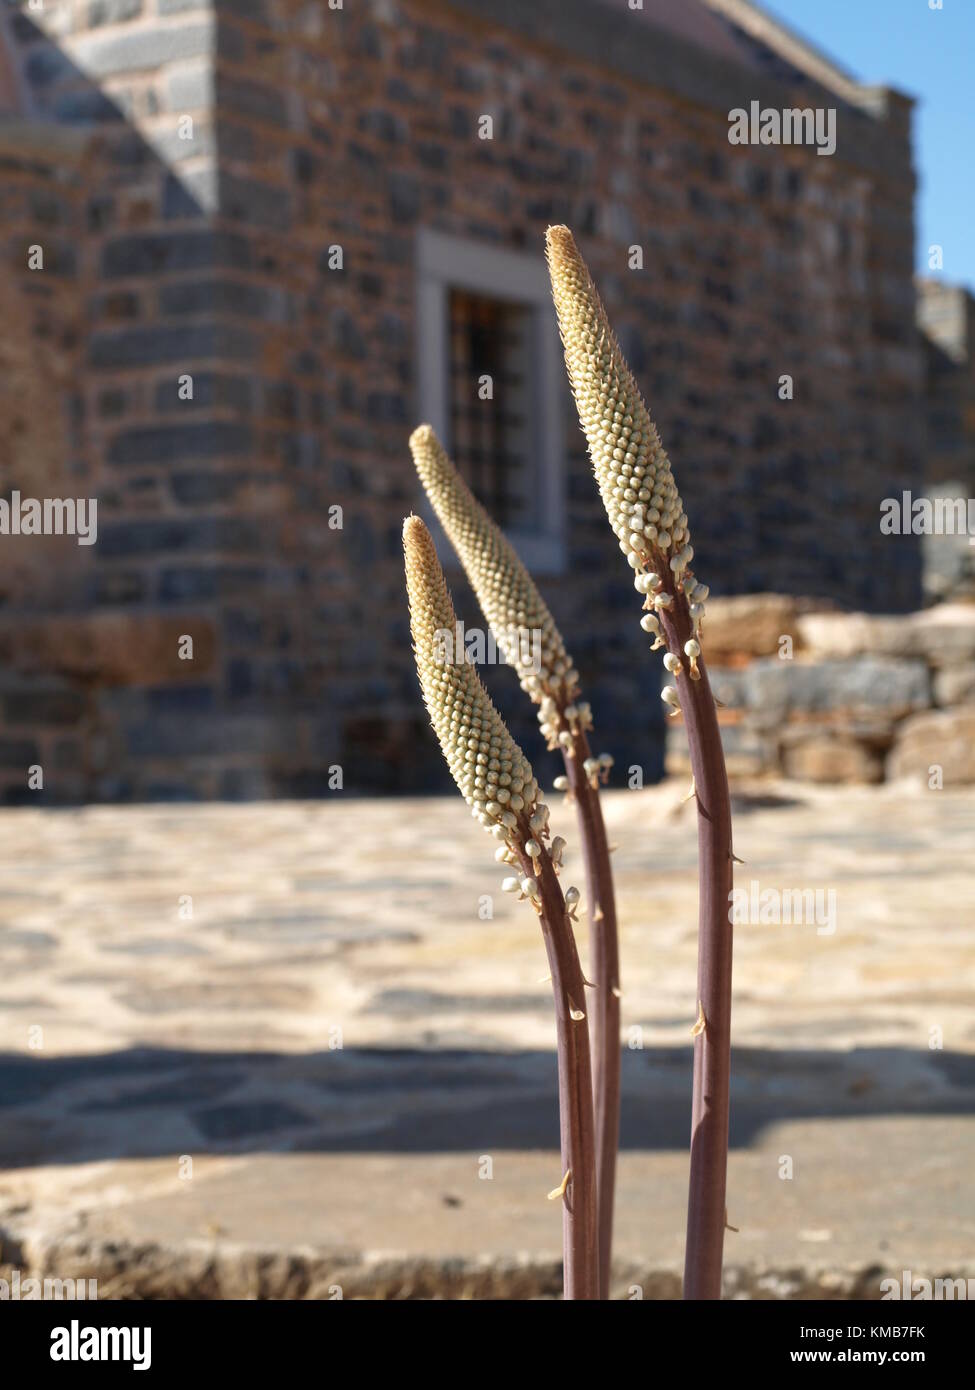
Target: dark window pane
491 439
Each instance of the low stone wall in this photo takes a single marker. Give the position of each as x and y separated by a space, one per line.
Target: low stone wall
826 696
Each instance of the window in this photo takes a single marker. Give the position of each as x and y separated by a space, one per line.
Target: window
490 382
490 343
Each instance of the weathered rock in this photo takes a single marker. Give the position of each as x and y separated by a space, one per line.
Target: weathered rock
942 738
747 625
833 757
954 685
942 635
216 1269
844 635
778 690
946 634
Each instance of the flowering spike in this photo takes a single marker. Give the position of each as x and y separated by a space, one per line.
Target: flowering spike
631 466
647 516
515 610
483 758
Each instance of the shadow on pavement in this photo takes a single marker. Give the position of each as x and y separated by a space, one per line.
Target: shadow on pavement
149 1102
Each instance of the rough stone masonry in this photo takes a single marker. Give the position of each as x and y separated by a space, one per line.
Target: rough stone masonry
189 167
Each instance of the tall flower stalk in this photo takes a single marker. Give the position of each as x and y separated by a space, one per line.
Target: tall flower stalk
497 781
530 641
637 487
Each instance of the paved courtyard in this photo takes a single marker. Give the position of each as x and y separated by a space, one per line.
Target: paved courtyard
287 1049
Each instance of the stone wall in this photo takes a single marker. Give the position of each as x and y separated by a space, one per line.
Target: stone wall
209 257
42 445
827 696
946 316
757 262
121 204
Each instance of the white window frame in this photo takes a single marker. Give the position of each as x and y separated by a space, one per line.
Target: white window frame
443 263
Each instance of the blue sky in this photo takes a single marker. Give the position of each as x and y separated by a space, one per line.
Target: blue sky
929 54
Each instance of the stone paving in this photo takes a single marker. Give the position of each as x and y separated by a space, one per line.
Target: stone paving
314 1004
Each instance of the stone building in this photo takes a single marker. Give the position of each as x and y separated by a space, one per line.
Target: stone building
946 316
276 234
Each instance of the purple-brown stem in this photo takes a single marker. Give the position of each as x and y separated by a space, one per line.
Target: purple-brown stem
604 964
706 1203
579 1224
